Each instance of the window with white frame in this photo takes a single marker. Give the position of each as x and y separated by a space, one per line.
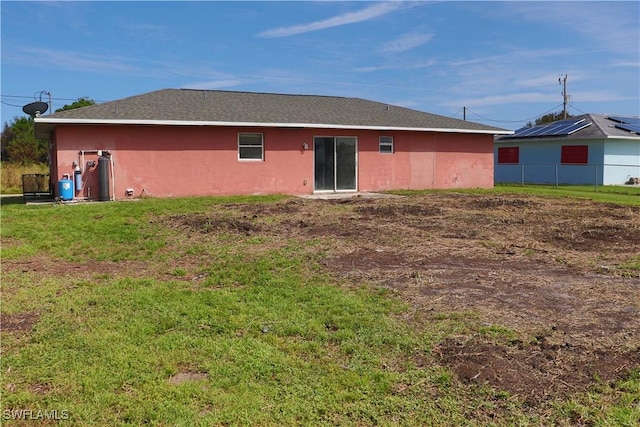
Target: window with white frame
386 144
250 146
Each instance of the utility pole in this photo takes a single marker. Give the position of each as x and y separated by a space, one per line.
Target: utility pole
565 97
464 113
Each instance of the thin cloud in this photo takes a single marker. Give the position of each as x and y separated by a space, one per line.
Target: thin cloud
537 97
215 84
397 66
144 27
406 103
631 64
406 42
104 64
70 60
515 55
365 14
548 79
601 96
512 98
612 25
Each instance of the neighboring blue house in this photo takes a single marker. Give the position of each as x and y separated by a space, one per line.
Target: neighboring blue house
591 149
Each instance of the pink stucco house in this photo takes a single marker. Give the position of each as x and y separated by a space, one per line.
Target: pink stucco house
179 142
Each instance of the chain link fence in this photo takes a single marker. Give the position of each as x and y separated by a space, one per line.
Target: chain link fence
568 174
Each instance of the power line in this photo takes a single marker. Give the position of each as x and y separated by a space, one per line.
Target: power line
457 112
576 108
11 105
33 97
512 121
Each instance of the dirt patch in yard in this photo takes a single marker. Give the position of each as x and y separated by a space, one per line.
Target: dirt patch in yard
207 224
18 322
183 377
558 273
45 266
537 371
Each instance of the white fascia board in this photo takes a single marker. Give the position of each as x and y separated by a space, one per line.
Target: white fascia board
568 141
54 121
630 138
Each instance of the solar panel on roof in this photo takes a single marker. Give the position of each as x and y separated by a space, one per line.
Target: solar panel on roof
561 127
523 132
532 131
629 127
574 128
549 130
569 121
626 120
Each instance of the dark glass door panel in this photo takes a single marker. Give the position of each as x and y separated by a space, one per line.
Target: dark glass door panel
324 152
345 163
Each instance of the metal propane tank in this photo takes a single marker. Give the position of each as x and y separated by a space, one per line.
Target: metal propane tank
65 188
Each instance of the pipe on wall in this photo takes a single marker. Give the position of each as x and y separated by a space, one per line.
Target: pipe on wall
81 159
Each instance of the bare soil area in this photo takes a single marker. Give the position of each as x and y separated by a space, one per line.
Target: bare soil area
18 322
558 273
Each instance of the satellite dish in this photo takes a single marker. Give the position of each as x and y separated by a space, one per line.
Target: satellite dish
35 108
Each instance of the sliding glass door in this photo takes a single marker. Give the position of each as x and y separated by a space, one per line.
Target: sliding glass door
335 163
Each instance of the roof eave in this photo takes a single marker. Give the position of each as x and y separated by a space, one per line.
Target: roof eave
50 123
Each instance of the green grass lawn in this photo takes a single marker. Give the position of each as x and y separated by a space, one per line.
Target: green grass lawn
625 195
628 195
230 330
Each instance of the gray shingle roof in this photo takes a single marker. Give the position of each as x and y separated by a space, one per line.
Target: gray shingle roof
190 106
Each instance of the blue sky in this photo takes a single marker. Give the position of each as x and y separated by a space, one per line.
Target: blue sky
500 60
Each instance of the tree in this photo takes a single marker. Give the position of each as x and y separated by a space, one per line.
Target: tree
20 145
78 103
549 118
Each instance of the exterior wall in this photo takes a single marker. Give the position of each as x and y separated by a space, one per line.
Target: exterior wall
622 161
464 161
540 163
198 161
425 160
